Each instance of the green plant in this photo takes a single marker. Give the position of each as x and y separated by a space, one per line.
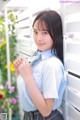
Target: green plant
3 61
2 28
6 96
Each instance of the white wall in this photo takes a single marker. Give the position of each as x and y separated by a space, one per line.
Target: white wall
71 23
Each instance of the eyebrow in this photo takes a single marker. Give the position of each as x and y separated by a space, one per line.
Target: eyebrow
39 30
34 29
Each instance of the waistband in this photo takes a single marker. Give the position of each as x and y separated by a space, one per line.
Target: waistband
32 113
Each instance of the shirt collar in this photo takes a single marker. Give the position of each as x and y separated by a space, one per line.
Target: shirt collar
47 53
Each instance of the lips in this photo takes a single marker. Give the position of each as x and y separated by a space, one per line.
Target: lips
40 44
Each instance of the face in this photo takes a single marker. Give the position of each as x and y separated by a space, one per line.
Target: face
41 36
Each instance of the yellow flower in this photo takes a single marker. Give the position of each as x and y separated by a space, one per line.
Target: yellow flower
0 46
2 92
3 44
11 67
6 66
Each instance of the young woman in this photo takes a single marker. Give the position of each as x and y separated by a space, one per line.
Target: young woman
41 85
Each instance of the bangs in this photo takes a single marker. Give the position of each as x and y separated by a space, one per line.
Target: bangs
41 25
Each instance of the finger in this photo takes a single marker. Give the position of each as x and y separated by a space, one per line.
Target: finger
15 65
18 62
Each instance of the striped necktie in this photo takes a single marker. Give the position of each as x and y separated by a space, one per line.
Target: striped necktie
36 58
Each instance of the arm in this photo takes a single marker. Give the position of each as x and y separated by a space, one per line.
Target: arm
43 105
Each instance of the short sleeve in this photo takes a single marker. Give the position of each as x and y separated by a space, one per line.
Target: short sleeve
52 77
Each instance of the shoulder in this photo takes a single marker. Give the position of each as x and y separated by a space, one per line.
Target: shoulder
54 62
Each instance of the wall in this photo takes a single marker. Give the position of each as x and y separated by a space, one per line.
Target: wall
71 22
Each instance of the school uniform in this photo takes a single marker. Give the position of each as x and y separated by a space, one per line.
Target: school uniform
50 77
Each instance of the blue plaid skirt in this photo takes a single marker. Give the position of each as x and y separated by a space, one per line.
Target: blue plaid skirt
35 115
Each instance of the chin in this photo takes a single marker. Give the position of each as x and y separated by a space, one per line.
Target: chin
40 49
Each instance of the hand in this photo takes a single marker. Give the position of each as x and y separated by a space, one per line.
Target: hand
22 67
16 64
25 69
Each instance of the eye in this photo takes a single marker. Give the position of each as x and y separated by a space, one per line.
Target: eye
44 32
35 32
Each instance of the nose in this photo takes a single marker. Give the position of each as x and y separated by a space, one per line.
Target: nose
39 37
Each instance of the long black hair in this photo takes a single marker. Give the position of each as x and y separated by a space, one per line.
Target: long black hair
53 23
